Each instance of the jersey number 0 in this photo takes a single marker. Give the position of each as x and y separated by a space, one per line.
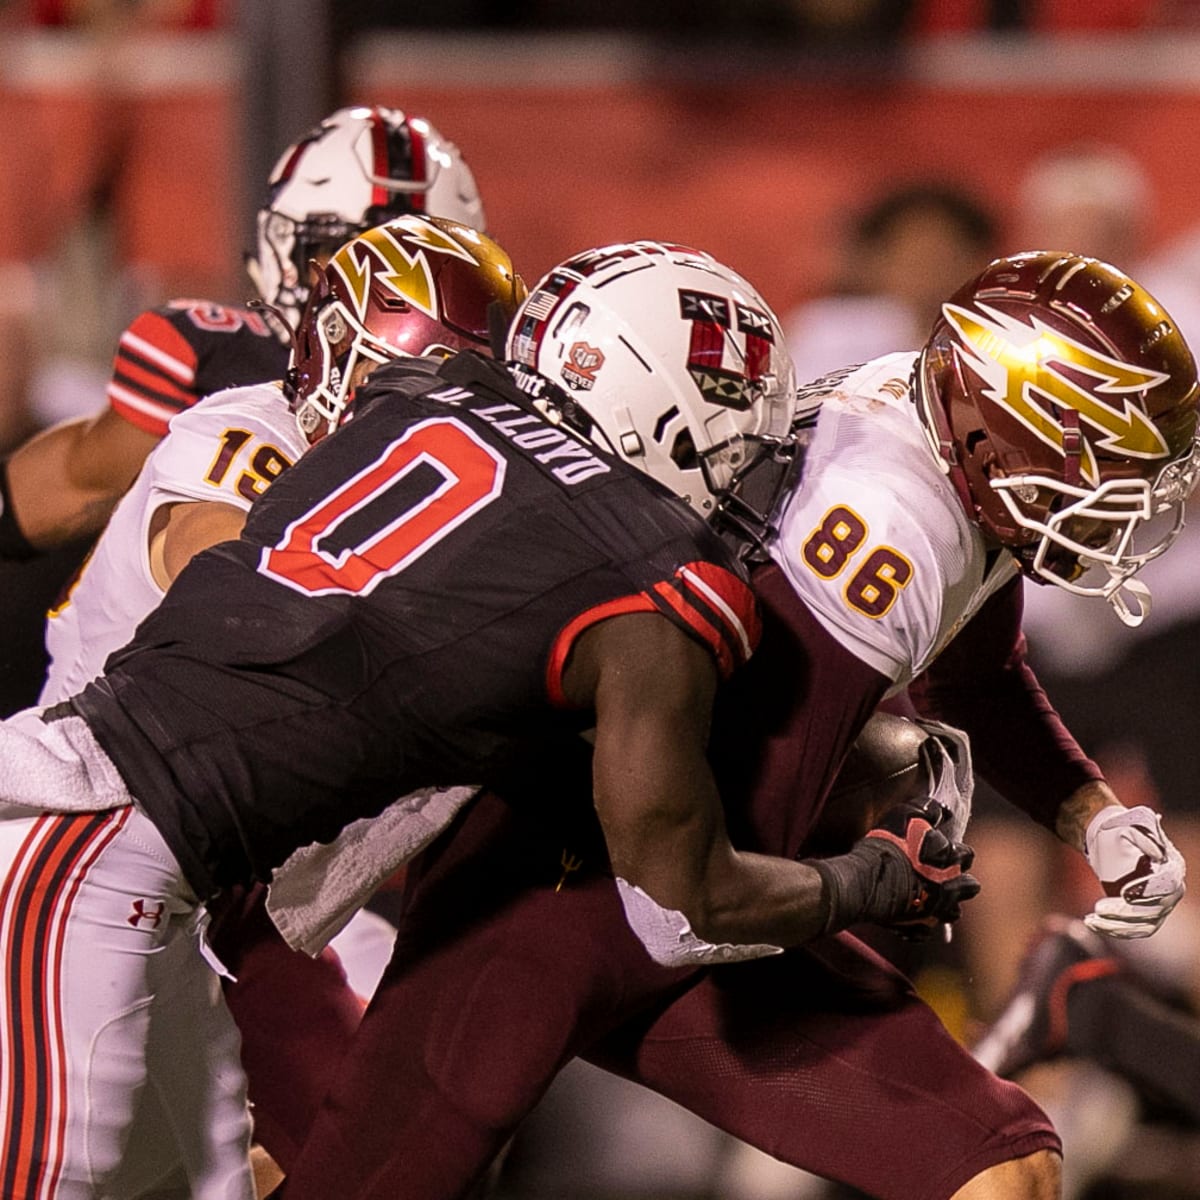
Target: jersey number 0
469 473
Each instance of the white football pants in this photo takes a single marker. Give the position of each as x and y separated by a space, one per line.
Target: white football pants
120 1076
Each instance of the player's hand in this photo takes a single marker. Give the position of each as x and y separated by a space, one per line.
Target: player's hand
905 873
937 865
1141 872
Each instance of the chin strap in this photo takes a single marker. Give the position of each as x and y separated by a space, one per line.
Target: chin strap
1131 602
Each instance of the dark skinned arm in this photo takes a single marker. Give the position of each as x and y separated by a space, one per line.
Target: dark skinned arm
652 689
65 482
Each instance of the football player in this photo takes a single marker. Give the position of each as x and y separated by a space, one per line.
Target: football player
1046 431
451 588
359 167
194 491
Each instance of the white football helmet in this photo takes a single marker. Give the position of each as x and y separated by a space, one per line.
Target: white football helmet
678 364
358 168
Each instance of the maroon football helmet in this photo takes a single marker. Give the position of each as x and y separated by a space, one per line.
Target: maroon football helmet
1061 401
415 286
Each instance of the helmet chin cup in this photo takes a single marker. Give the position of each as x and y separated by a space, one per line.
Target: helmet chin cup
1131 601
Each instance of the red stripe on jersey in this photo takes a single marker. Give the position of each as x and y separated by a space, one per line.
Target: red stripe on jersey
148 382
160 335
146 422
718 607
570 634
713 604
155 368
35 910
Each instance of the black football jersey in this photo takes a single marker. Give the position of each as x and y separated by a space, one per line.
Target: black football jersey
397 613
170 357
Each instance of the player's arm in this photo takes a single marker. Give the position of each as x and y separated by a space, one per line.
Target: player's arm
178 532
983 683
689 894
64 483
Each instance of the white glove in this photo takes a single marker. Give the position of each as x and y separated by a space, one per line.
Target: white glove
1142 873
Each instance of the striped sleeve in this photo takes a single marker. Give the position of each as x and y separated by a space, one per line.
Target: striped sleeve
154 373
715 607
709 603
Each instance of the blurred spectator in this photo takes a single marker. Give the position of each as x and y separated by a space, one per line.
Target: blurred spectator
169 14
841 23
903 255
1040 16
120 173
1088 197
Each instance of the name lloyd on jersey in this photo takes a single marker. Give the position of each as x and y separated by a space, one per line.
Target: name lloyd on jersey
552 442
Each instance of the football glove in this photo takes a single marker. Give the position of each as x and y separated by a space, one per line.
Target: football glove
906 873
1140 871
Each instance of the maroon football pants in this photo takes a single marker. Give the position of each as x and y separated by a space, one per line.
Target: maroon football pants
822 1056
296 1015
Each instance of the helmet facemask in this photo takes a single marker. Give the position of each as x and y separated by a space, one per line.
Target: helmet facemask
1093 541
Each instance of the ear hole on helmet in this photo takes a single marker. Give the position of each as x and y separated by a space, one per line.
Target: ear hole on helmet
683 451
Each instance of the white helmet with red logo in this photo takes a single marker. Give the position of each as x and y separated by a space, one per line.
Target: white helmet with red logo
358 168
677 362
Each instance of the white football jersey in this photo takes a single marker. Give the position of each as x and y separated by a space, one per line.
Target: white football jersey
227 448
874 539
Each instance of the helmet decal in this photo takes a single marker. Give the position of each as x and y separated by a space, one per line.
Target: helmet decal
380 255
710 318
416 286
583 361
667 357
1021 365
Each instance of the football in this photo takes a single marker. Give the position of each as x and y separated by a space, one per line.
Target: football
883 768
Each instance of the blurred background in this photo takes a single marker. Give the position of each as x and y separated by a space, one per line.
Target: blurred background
856 159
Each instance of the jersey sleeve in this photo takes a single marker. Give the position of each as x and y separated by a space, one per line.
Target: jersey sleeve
171 357
874 576
710 604
154 371
227 449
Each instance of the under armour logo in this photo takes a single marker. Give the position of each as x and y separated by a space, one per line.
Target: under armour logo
142 913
